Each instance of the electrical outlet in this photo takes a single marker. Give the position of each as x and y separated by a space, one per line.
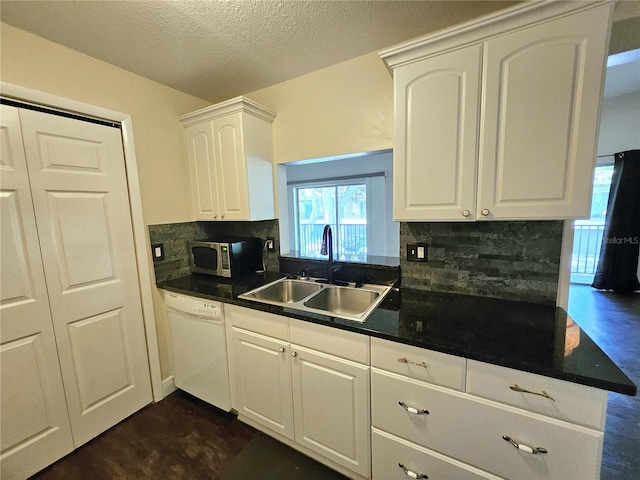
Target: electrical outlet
157 252
270 244
417 252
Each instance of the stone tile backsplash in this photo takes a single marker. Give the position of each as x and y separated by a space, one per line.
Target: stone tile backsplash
176 236
510 260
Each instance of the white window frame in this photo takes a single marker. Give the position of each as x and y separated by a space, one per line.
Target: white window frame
376 194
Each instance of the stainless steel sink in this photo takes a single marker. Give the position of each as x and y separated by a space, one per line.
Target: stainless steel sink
284 291
349 302
343 300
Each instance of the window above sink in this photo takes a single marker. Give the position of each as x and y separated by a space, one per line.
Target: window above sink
352 194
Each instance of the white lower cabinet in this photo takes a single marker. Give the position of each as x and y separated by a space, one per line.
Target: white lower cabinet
397 459
536 393
473 430
263 380
314 393
412 413
331 407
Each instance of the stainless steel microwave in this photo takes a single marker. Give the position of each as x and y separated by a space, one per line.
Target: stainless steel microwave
229 257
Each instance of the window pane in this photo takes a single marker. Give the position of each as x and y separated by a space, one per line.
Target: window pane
316 208
344 208
352 217
601 187
587 234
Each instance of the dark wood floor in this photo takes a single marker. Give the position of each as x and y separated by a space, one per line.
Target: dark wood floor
613 322
178 438
183 438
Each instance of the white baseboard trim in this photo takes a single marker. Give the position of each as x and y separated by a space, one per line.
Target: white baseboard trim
168 386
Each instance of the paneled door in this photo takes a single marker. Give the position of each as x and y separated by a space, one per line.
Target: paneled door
34 424
231 167
435 156
540 123
204 184
263 381
337 425
79 189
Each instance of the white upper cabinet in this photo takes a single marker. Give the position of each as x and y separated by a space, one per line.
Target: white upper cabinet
230 151
497 119
437 105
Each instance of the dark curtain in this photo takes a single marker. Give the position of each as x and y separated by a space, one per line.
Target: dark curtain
618 263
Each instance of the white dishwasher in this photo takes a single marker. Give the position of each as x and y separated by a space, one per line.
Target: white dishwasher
199 348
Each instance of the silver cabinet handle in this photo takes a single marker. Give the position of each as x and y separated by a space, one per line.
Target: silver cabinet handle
422 364
466 213
215 216
413 410
221 216
294 354
281 349
544 394
411 474
485 212
523 447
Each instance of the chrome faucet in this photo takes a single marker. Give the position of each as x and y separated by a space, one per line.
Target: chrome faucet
327 249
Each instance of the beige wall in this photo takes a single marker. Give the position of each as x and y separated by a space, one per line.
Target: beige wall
619 124
341 109
33 62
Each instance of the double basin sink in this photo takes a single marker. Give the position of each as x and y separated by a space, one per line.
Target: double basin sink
348 302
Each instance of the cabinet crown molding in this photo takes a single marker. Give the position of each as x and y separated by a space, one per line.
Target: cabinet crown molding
482 28
237 104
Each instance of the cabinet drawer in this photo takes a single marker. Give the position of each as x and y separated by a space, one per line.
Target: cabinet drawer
471 430
418 363
571 402
390 452
333 341
274 326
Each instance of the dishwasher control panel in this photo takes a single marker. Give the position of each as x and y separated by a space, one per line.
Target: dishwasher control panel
199 307
205 308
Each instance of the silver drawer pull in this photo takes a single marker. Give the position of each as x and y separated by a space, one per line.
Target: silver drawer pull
413 410
523 447
411 474
404 360
544 394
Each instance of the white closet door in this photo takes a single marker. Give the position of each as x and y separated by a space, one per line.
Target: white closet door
79 188
34 424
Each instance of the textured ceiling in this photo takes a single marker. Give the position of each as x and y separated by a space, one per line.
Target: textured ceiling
216 50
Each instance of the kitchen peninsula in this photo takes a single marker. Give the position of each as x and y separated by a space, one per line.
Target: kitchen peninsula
520 361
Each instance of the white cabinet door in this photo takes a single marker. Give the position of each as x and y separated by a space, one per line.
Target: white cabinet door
435 156
531 84
331 405
542 94
262 374
79 188
34 425
230 150
204 190
231 167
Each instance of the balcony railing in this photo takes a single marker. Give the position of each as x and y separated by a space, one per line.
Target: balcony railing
587 241
349 240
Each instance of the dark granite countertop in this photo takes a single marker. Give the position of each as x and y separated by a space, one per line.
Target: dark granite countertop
524 336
